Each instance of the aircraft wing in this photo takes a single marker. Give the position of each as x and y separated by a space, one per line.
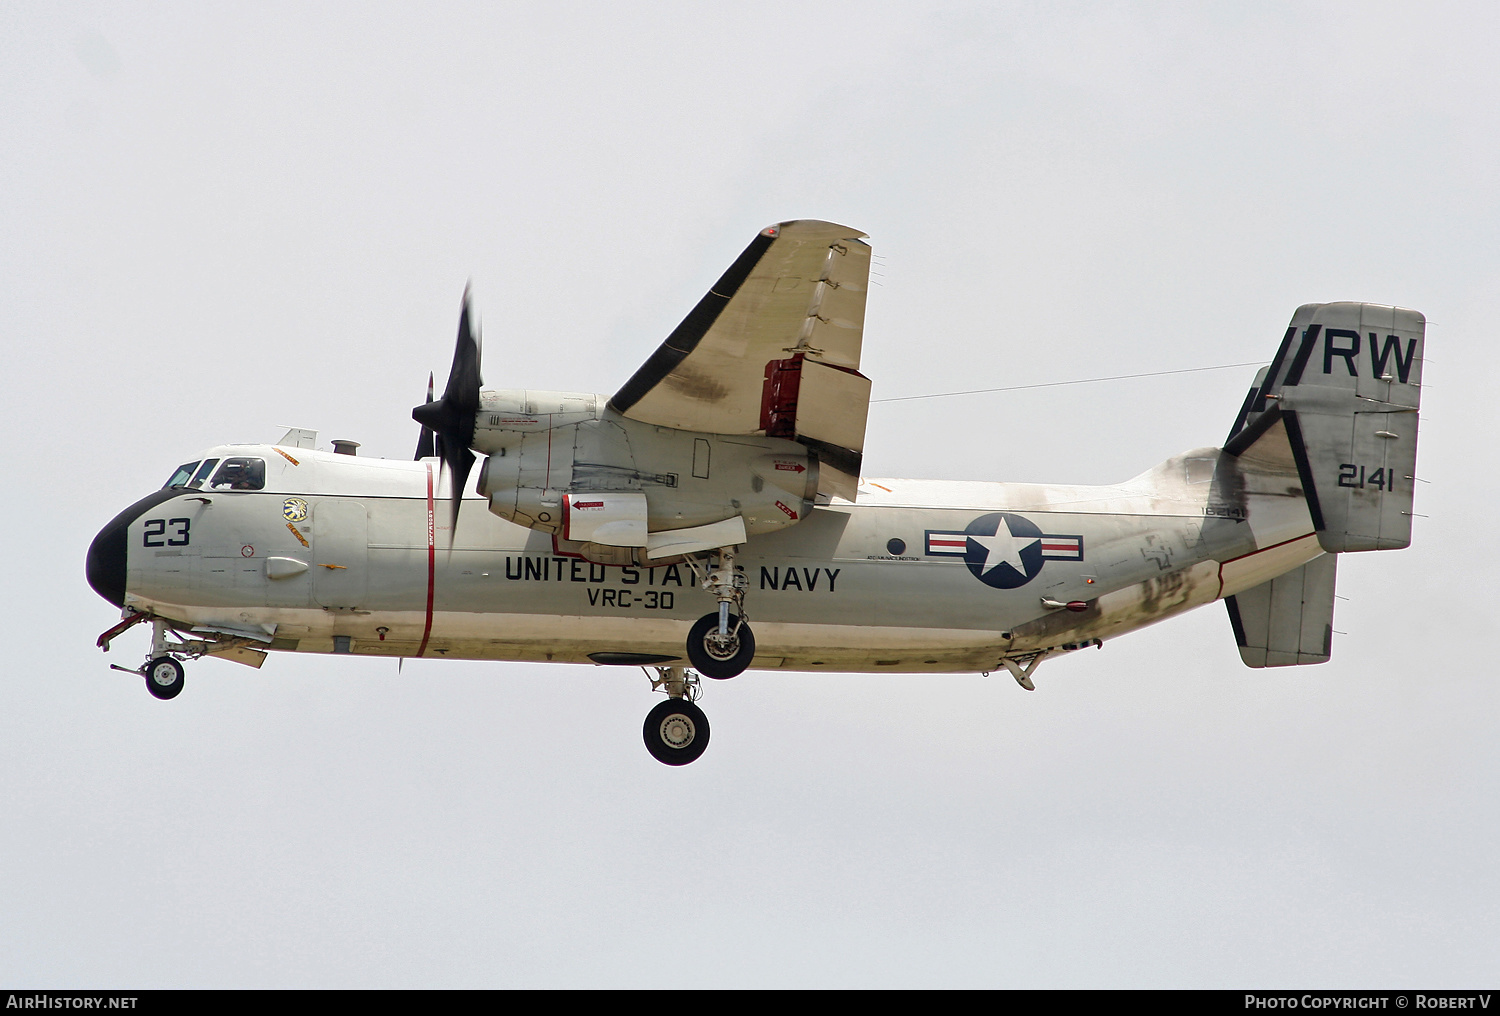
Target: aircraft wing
773 348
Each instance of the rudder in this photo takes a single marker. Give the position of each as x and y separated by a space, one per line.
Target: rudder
1288 621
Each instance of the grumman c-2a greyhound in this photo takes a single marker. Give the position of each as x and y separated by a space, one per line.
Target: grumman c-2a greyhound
710 517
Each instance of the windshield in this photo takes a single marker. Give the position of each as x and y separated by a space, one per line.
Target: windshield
203 471
182 476
240 474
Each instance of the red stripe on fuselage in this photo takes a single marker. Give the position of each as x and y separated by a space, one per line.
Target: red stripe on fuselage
431 562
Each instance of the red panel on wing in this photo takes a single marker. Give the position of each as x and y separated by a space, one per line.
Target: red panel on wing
778 398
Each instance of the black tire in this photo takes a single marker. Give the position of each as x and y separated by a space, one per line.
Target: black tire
720 662
164 677
676 732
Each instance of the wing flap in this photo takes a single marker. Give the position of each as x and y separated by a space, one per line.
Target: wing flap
832 406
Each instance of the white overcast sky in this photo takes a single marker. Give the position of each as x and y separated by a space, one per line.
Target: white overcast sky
220 220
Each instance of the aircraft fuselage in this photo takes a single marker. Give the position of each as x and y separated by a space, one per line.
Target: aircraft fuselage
338 553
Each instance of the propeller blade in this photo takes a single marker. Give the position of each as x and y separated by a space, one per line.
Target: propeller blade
459 466
425 446
451 418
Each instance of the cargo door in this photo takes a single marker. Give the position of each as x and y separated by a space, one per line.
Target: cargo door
340 554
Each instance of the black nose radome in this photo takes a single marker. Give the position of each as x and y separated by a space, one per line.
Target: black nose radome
108 552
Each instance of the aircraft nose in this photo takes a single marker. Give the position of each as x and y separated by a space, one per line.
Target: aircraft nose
106 561
108 554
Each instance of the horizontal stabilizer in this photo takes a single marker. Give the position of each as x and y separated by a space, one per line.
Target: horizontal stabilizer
1288 621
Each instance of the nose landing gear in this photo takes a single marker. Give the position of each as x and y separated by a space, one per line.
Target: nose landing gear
163 673
164 677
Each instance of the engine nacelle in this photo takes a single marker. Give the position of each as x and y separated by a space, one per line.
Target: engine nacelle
564 463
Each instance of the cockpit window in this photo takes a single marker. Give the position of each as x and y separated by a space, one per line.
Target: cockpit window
240 474
203 471
182 476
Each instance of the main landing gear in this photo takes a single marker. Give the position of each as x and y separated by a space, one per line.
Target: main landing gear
676 731
721 645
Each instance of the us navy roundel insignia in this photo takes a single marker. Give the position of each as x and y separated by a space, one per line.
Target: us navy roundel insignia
294 509
1004 550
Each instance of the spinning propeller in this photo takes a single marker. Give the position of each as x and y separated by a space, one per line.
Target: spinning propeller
451 418
425 447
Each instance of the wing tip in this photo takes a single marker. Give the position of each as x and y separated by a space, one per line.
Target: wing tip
814 228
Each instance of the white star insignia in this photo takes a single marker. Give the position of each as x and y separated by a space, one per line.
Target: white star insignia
1002 548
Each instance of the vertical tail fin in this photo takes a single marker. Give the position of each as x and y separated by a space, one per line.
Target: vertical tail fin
1346 384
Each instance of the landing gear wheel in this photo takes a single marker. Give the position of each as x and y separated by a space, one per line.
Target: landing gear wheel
164 677
720 656
676 732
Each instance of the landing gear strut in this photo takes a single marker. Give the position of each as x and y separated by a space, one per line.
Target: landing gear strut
162 671
1023 674
164 675
721 645
676 731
